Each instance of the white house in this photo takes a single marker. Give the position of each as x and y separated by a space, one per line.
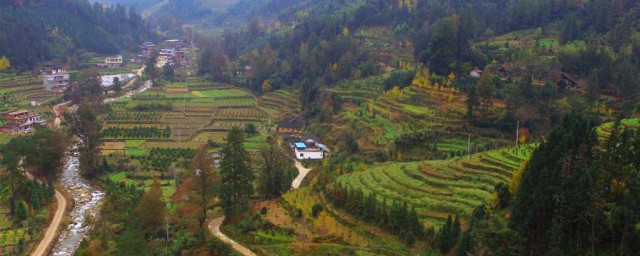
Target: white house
476 73
309 147
113 62
56 82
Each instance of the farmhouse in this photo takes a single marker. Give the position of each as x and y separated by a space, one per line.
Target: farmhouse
174 43
147 48
476 73
309 147
21 121
291 125
113 62
56 82
569 79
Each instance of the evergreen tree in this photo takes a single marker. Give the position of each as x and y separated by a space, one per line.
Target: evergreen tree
277 172
236 174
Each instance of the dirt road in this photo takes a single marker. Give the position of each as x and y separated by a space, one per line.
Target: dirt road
214 225
214 228
302 172
52 230
57 113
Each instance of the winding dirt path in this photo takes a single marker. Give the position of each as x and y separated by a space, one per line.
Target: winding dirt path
214 228
57 113
52 230
302 172
214 225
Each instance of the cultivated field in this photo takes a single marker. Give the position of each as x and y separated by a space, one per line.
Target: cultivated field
442 187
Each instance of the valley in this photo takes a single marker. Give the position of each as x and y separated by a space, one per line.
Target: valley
271 127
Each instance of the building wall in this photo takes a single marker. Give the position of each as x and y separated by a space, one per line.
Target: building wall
286 129
309 155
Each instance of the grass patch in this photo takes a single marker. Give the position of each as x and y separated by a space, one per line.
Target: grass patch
547 43
134 143
136 152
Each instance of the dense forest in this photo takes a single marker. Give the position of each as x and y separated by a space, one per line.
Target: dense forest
36 30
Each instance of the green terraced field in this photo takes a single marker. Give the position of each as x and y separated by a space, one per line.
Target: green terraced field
134 143
443 187
226 93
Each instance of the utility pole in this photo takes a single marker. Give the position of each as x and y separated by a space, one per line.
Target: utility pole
517 133
175 182
469 145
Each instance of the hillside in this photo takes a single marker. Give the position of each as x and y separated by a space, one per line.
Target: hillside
45 30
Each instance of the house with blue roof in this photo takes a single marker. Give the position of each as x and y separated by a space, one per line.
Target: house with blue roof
309 147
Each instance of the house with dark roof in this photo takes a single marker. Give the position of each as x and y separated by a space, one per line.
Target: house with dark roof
291 125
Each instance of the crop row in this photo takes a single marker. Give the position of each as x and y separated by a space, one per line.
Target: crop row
438 187
246 113
136 132
137 116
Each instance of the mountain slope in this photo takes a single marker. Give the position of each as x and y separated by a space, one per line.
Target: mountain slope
45 30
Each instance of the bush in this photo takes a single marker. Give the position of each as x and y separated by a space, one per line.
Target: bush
217 247
315 210
263 211
250 129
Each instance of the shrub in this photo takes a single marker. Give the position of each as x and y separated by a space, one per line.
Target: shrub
263 211
315 210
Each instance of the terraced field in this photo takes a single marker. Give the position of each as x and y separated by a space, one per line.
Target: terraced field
21 90
279 102
604 130
380 118
442 187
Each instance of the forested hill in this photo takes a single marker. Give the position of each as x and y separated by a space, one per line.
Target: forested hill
37 30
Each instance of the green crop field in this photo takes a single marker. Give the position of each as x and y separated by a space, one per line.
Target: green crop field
442 187
547 43
226 93
134 143
136 152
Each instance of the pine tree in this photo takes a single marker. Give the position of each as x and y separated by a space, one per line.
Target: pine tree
236 174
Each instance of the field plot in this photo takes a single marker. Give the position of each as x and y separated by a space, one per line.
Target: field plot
222 93
21 90
424 123
442 187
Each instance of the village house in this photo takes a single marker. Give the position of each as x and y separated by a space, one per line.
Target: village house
113 62
309 147
476 73
176 44
56 82
147 48
21 121
291 125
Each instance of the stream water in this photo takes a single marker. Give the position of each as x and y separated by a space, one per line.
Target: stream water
86 198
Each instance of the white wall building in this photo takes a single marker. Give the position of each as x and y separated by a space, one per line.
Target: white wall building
113 62
310 148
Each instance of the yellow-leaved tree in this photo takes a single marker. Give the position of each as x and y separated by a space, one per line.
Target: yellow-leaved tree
514 185
266 86
371 105
345 31
4 63
450 78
